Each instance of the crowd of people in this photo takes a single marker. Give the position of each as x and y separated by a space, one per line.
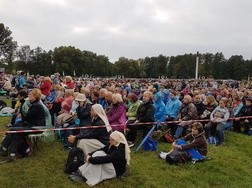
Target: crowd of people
122 108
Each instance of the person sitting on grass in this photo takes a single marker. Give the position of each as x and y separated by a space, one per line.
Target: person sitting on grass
35 117
106 163
194 143
92 139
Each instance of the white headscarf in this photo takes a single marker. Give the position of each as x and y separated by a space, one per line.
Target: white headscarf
119 137
98 109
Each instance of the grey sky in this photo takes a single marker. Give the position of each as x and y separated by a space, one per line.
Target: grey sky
133 28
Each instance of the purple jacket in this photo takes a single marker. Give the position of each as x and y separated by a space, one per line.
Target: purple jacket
117 116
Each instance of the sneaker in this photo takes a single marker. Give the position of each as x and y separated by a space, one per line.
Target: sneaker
162 155
75 177
131 144
9 125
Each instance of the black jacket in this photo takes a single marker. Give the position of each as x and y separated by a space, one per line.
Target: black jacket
35 115
245 111
145 112
115 155
83 114
100 134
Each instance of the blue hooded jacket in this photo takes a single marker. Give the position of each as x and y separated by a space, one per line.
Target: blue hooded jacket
159 107
172 107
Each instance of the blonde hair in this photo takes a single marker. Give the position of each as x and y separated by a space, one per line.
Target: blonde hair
69 78
211 100
117 97
85 91
148 93
36 93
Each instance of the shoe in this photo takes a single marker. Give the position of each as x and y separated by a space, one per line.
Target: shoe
67 148
75 178
3 152
9 125
162 155
9 159
131 144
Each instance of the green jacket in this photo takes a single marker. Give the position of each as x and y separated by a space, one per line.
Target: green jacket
132 111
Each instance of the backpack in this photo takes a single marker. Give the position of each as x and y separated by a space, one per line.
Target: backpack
150 144
74 160
177 157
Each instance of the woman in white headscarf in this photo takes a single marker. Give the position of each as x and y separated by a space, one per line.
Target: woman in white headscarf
108 162
94 138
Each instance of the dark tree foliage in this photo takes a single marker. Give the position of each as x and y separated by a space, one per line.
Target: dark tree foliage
7 45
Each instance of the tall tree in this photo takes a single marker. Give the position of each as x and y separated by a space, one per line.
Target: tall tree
68 59
7 45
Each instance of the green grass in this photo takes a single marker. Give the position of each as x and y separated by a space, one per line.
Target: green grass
231 166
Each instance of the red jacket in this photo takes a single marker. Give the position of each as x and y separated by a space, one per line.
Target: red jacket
46 87
70 85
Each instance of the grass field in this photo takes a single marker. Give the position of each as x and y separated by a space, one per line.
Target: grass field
231 166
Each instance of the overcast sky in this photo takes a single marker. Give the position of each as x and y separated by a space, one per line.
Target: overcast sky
133 28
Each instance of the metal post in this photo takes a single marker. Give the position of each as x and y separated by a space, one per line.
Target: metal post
197 66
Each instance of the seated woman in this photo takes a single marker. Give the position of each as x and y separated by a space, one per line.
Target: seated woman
145 115
197 145
117 113
218 119
84 116
93 138
33 118
106 163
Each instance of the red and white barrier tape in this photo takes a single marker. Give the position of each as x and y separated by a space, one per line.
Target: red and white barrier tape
102 126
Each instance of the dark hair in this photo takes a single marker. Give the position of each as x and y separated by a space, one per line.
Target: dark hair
23 93
198 126
96 94
133 97
173 92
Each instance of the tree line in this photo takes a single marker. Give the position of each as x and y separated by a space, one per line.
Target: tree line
75 62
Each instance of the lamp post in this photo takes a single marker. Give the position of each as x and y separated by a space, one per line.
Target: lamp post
197 66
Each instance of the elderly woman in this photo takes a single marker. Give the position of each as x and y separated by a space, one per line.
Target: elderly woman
46 86
187 113
69 83
35 117
106 163
93 138
117 113
145 114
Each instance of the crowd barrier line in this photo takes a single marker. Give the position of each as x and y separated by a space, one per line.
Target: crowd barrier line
102 126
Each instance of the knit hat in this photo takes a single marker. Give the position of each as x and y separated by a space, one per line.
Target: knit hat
81 97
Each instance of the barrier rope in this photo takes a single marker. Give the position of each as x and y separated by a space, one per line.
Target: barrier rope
102 126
